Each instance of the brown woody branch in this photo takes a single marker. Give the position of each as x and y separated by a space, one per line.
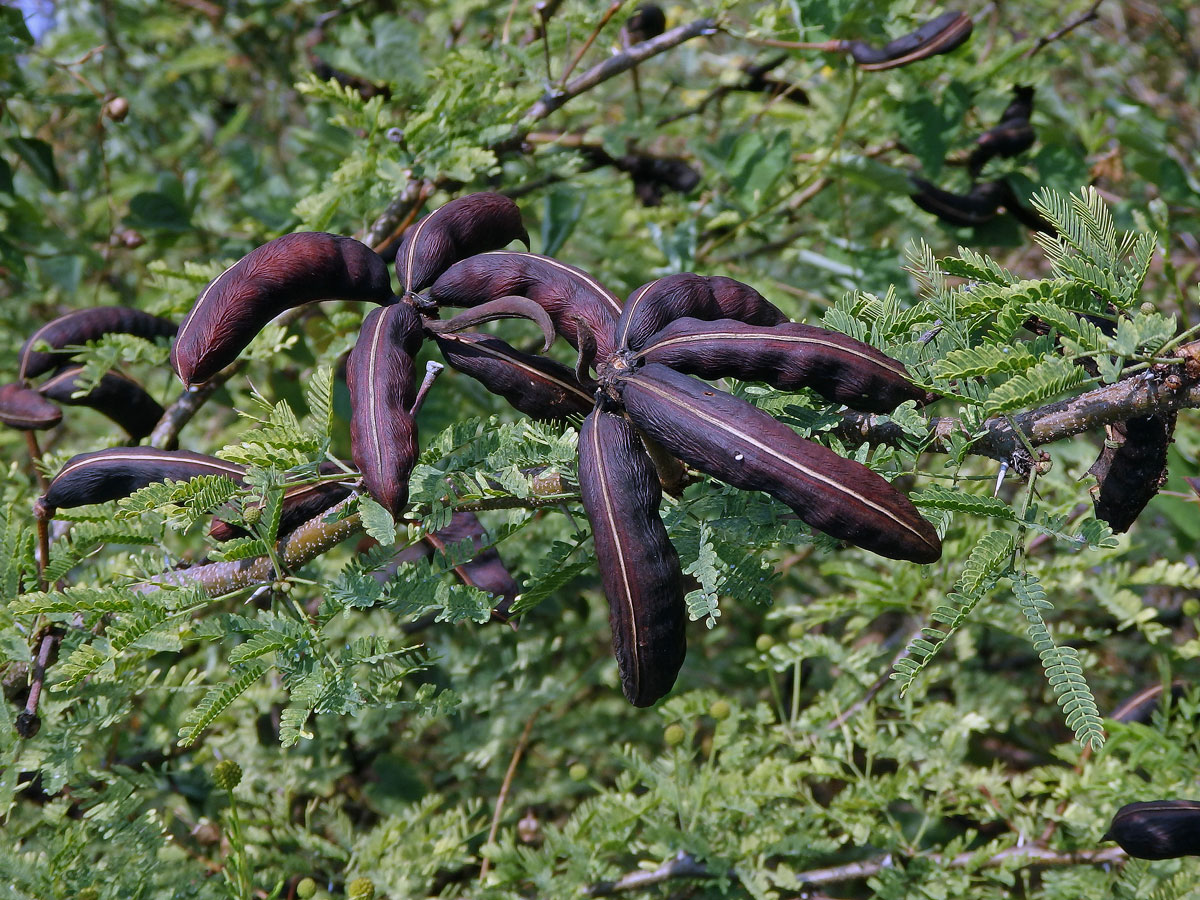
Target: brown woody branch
1150 392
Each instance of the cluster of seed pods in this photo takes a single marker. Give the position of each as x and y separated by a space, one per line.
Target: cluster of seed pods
647 354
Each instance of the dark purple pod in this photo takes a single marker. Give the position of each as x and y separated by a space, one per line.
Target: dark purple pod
119 398
382 379
977 206
1129 474
1141 706
534 385
301 503
1021 105
788 357
26 409
82 326
569 295
485 570
111 474
647 21
638 565
1157 829
940 35
461 228
1010 138
655 304
731 440
288 271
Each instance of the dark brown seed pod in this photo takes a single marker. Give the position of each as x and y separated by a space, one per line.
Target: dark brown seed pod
534 385
382 378
1141 706
1021 105
940 35
1007 139
656 303
638 565
1129 474
25 409
485 570
119 398
788 357
1157 829
110 474
301 503
288 271
731 440
82 326
566 293
459 229
504 308
977 206
647 21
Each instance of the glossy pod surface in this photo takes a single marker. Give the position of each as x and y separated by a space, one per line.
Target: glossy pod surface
111 474
638 565
731 440
977 206
788 357
657 303
534 385
1157 829
382 379
940 35
566 293
25 409
119 398
1141 706
82 326
461 228
286 272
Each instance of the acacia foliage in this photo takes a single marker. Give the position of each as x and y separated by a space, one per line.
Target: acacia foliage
369 751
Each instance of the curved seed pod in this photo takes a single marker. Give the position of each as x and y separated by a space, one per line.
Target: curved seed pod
731 440
534 385
26 409
940 35
647 21
656 303
638 565
1157 829
486 570
1010 138
110 474
82 326
504 308
459 229
566 293
977 206
286 272
1130 474
119 398
1141 706
1021 105
382 378
789 356
301 503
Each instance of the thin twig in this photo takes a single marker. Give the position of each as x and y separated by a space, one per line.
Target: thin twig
506 785
35 456
681 865
878 684
604 20
1092 13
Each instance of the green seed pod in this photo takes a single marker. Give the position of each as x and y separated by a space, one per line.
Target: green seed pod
788 357
638 565
1157 829
381 375
731 440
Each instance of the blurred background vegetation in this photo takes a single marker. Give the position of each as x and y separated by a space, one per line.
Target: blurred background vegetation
144 144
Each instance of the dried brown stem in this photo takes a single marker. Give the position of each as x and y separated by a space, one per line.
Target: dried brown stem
506 786
35 456
604 20
1090 14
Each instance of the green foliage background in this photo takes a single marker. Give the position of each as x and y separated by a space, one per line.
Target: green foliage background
371 751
